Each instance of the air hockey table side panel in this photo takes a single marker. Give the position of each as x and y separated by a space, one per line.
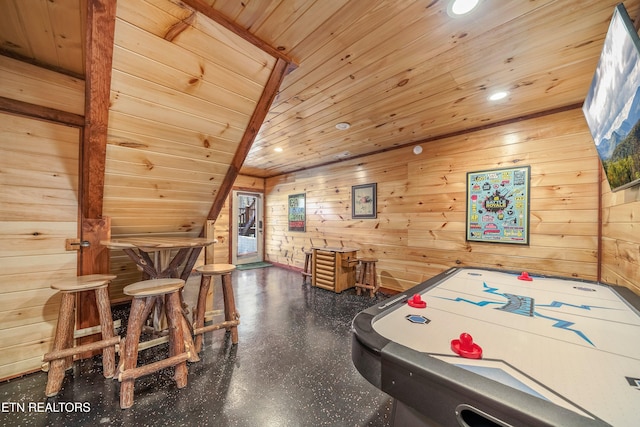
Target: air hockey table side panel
385 369
442 393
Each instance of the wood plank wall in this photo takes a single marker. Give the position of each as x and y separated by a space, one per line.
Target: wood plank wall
420 228
181 97
621 236
128 273
38 211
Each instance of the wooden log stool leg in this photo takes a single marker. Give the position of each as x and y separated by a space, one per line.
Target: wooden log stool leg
359 277
307 266
199 314
374 278
231 315
61 357
367 276
144 295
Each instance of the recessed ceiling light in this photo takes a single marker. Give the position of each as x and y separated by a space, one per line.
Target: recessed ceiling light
343 126
461 7
278 149
497 96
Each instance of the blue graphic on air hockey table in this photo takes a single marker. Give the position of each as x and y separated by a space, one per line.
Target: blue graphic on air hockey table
526 306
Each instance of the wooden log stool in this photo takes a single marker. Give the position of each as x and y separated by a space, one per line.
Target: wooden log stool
145 294
231 315
61 358
308 256
367 276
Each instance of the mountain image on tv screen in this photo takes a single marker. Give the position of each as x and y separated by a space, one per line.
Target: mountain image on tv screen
612 106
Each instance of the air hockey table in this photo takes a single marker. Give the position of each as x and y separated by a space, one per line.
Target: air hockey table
478 347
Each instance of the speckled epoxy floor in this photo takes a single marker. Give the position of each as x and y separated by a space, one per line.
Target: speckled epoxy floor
292 367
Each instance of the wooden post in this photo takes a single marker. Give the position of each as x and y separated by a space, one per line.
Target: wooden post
94 259
101 22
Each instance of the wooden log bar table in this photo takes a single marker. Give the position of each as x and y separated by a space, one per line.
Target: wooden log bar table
334 268
153 254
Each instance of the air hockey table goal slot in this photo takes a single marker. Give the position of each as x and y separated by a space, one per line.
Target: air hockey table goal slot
468 416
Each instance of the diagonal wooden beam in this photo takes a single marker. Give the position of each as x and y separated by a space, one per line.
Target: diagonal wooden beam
210 12
284 65
262 108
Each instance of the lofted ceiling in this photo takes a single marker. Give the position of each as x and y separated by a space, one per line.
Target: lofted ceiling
398 71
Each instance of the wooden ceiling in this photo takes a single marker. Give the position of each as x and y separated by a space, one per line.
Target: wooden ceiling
405 71
398 71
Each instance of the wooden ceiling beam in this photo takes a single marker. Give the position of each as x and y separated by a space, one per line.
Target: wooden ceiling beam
40 112
101 22
269 93
210 12
284 65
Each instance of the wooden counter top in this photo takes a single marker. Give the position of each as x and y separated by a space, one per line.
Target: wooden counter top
153 243
335 249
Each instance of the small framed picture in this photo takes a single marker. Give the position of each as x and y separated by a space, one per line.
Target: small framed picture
297 212
363 201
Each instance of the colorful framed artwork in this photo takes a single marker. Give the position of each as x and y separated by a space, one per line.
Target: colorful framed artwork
363 201
297 212
498 205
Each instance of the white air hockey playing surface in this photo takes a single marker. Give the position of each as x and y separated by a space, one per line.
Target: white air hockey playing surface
574 343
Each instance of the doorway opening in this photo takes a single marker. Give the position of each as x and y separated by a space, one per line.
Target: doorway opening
247 238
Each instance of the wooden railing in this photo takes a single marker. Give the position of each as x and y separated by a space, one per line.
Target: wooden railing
247 219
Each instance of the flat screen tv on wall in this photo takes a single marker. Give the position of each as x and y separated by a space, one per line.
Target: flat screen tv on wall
612 106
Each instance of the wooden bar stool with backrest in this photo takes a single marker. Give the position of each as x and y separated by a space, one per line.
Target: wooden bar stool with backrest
231 315
367 276
145 295
61 357
308 256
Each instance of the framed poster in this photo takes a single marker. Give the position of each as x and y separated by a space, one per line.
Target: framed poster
498 205
297 212
363 201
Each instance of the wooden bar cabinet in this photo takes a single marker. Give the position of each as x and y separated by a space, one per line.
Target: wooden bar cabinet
334 268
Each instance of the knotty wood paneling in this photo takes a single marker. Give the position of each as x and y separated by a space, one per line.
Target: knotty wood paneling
399 71
47 32
127 271
183 91
38 86
38 211
420 228
621 236
373 64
